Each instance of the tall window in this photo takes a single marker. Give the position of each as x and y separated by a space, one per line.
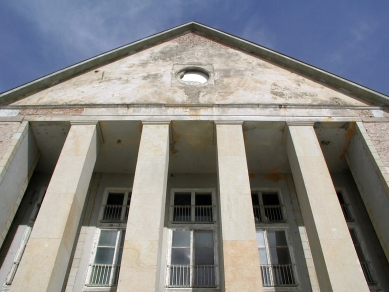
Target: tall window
352 224
274 257
191 207
104 266
116 207
36 200
267 207
192 257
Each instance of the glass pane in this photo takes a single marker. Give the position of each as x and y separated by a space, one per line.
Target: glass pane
180 256
203 199
115 199
204 256
104 255
263 256
340 197
276 238
182 199
254 199
100 275
181 238
179 276
204 276
354 236
270 199
203 239
280 256
107 238
260 238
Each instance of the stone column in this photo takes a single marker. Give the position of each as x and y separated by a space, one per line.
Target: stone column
337 265
46 258
140 268
240 249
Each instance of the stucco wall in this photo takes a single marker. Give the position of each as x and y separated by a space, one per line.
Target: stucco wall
150 77
6 132
379 135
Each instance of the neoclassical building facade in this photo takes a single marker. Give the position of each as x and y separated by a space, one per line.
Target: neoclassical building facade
193 160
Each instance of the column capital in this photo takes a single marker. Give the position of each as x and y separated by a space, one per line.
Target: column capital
228 122
300 123
84 122
156 122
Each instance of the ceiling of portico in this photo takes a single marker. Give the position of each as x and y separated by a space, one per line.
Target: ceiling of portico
192 146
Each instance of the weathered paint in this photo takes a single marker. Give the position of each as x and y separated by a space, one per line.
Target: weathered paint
149 77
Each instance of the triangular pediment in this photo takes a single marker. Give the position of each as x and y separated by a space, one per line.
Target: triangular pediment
149 75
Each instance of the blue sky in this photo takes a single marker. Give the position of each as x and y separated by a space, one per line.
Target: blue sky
349 38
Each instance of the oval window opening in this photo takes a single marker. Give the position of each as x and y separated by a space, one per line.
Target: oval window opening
195 76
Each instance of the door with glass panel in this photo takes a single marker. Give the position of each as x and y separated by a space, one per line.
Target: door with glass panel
105 266
192 259
277 268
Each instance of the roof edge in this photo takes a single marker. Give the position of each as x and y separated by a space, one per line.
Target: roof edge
317 74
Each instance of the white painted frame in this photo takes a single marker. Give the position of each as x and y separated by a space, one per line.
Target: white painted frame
119 235
271 227
193 226
259 192
26 236
127 192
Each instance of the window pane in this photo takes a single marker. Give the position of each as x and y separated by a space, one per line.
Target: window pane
270 199
254 199
204 256
203 199
340 197
180 256
260 238
280 256
115 199
104 255
181 238
276 238
107 238
203 239
263 256
182 199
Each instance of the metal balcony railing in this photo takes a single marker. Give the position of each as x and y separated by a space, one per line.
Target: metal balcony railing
202 213
187 276
366 268
346 212
272 213
103 275
278 275
113 213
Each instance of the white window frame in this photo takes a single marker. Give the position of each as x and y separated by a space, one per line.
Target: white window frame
122 223
353 224
120 234
295 286
193 226
193 192
192 257
260 192
26 236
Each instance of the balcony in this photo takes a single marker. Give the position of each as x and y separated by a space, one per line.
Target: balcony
115 213
268 214
201 213
187 276
278 275
103 275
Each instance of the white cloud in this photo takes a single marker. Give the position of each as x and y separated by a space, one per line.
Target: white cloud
85 28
